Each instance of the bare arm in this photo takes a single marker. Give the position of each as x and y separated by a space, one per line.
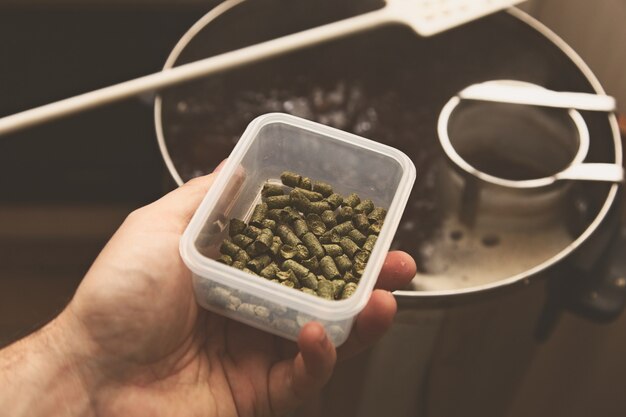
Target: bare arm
40 376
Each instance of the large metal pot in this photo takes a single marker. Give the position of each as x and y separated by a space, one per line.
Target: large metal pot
458 342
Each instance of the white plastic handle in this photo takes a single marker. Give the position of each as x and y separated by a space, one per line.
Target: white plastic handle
504 92
592 172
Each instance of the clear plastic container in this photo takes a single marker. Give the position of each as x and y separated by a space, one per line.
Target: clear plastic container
271 144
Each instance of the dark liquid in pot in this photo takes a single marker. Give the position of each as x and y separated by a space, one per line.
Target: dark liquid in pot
506 167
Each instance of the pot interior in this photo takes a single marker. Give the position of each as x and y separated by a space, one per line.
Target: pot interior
388 85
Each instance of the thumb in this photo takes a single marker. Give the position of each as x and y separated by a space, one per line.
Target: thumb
182 203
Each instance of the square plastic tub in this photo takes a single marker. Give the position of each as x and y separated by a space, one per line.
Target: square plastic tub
271 144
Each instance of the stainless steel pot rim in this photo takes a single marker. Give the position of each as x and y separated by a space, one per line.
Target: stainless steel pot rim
404 294
453 155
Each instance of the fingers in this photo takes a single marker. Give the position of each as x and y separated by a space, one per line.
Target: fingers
294 380
377 316
375 319
398 270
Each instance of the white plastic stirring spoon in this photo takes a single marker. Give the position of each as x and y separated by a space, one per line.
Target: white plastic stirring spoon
407 12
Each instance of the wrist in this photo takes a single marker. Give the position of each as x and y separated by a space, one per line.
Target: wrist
45 374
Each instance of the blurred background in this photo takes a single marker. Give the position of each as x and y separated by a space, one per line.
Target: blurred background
66 187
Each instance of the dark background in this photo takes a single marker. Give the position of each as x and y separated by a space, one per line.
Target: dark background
66 186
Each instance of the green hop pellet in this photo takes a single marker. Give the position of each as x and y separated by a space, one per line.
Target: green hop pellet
313 245
357 237
229 248
225 259
361 222
350 277
344 228
365 206
329 219
360 262
310 281
318 207
242 256
262 312
351 200
276 245
236 227
246 309
219 296
358 269
274 214
257 264
362 256
287 235
300 202
302 252
375 227
308 291
323 188
290 179
249 271
330 237
286 325
370 242
270 190
287 276
289 215
288 252
242 240
254 250
264 241
300 227
258 214
303 319
233 303
343 263
348 290
305 183
270 271
315 224
309 195
298 269
252 231
344 214
348 246
333 250
328 268
334 200
338 286
277 201
268 224
325 289
378 214
238 265
312 263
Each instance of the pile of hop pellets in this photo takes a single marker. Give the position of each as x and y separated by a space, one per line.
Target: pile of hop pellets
305 236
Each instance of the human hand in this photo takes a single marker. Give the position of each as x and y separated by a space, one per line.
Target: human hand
140 345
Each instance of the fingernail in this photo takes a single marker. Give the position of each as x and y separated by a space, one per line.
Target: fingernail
220 166
323 340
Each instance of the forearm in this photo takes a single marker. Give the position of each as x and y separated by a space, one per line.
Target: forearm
39 376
